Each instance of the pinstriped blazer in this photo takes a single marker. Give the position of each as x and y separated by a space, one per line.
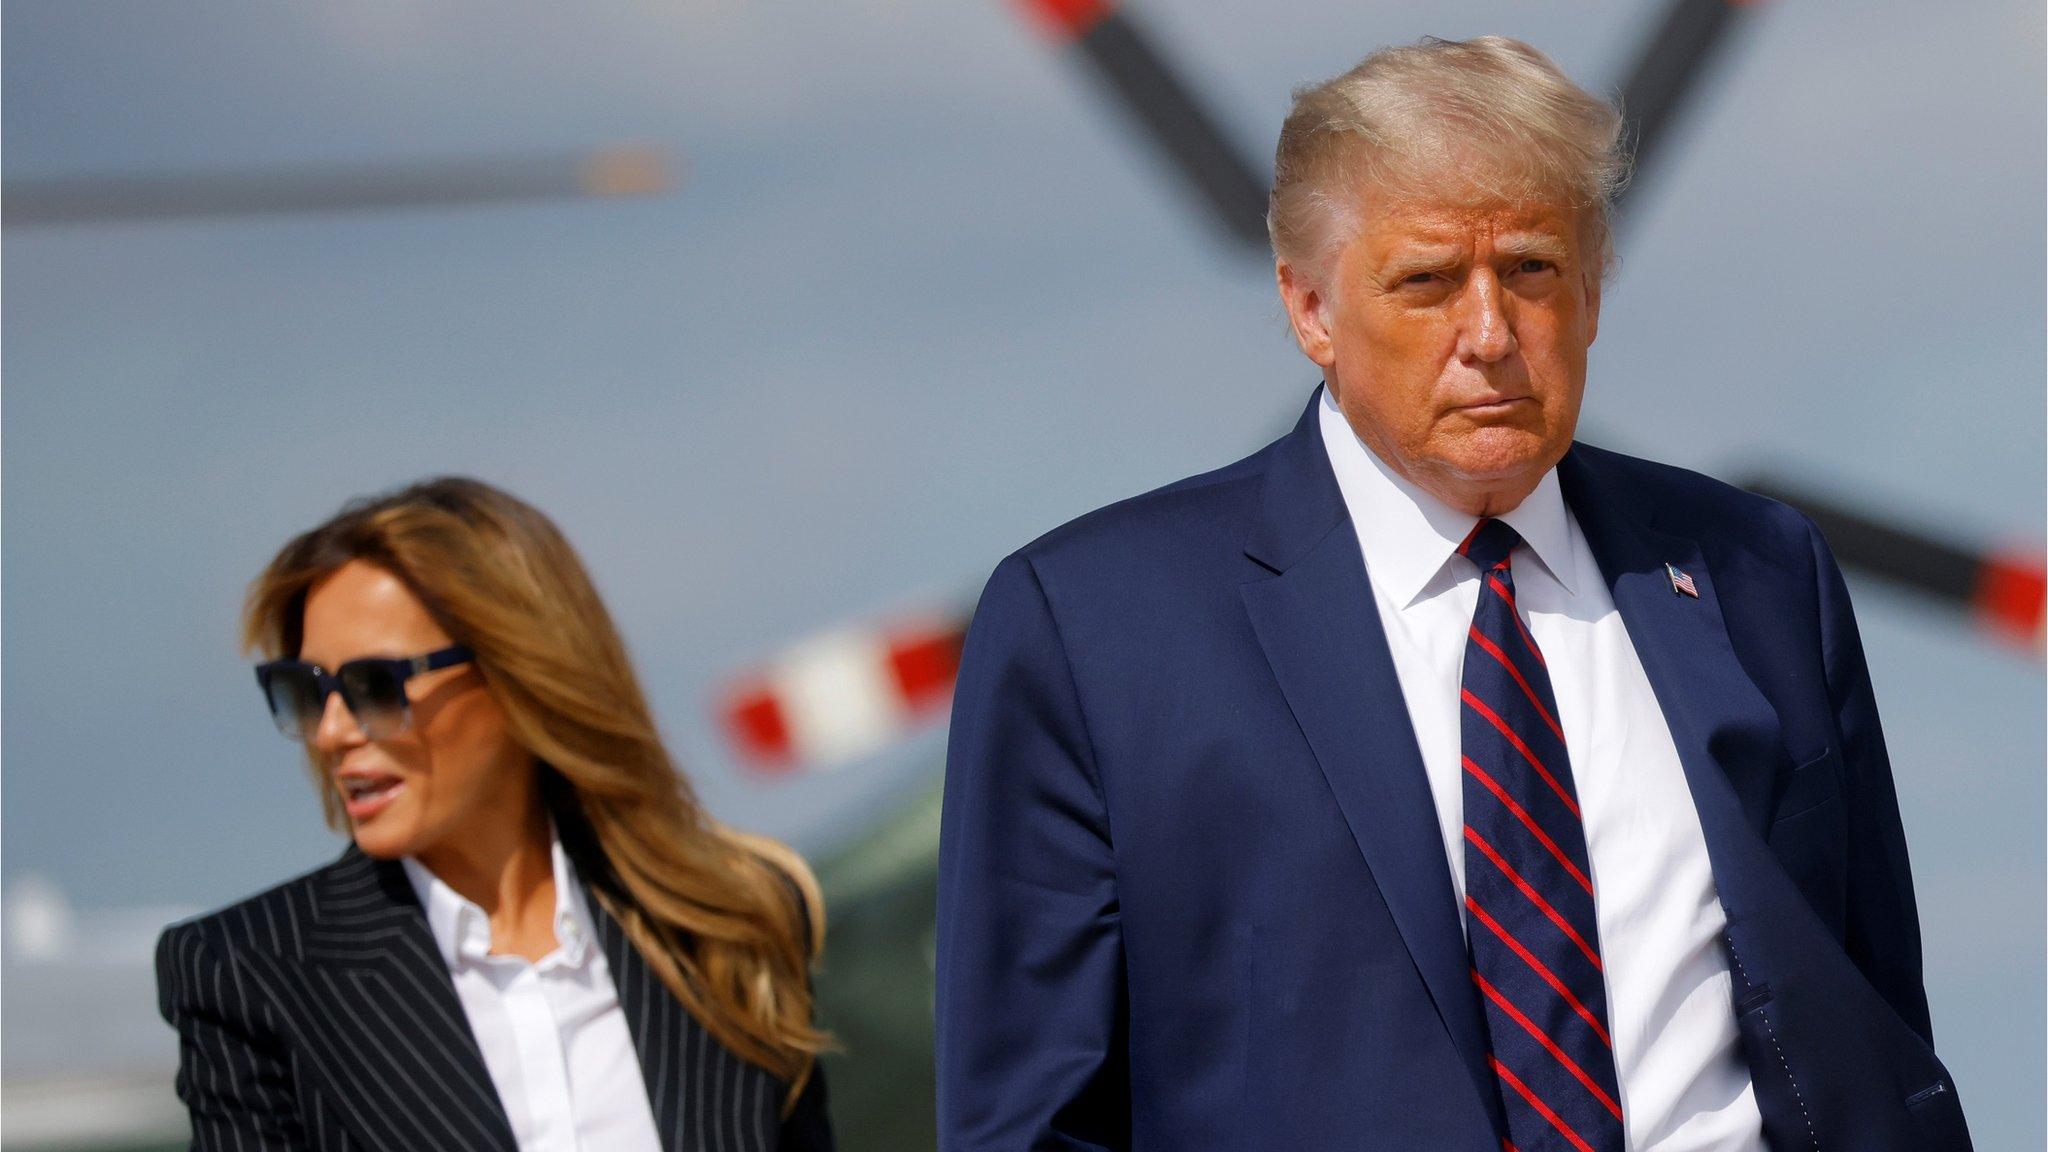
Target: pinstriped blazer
319 1016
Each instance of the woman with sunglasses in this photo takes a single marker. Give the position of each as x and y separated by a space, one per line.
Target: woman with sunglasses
536 939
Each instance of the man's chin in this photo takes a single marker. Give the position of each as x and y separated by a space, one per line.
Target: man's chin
1502 456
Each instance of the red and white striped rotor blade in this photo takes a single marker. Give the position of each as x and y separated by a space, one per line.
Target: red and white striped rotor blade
842 695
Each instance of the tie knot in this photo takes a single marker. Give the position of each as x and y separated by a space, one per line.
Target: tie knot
1489 544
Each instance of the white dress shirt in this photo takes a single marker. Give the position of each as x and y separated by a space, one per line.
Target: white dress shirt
1684 1084
552 1033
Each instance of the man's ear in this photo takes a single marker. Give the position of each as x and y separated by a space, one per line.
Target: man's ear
1308 312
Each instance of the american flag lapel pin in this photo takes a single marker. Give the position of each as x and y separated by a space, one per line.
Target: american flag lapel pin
1681 583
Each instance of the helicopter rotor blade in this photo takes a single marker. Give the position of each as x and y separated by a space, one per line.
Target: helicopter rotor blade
627 170
1164 107
2005 592
1667 74
1166 110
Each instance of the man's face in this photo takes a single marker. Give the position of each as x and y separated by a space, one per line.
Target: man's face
1454 340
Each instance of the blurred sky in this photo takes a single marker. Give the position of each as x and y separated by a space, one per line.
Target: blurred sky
919 300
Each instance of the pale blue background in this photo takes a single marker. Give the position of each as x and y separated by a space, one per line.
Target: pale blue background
919 300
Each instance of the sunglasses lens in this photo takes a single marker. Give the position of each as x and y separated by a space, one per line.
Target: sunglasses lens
376 696
294 698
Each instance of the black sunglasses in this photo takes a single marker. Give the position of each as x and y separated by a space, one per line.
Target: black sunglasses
373 688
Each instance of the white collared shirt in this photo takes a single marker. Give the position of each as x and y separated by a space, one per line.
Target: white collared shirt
552 1033
1684 1084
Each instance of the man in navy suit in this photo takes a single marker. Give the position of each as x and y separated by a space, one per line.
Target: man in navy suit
1427 781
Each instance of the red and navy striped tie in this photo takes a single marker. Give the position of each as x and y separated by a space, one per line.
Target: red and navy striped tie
1528 888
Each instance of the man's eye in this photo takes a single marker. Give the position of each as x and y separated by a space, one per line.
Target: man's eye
1532 266
1420 278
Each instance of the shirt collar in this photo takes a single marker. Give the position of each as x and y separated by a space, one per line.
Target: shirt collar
462 930
1408 535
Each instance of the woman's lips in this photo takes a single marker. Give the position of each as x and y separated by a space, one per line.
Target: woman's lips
363 797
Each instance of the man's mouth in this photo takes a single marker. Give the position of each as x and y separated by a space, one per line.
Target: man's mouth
1495 405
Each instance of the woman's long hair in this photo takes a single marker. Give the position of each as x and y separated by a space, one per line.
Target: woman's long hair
715 912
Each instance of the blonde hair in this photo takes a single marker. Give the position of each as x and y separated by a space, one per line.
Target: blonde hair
1479 121
730 922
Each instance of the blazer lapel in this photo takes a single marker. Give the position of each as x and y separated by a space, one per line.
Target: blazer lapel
666 1037
1316 620
702 1095
385 1022
1727 733
1730 746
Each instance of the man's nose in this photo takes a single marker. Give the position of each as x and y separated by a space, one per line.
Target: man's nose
1484 333
337 730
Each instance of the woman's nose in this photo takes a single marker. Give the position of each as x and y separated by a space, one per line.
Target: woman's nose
337 729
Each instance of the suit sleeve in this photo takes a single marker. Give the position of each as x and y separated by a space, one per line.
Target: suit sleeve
1030 1004
232 1072
1883 922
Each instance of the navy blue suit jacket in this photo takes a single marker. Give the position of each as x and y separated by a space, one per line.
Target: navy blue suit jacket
1192 892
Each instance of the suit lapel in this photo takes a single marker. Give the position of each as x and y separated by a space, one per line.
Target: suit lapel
664 1035
1730 746
1316 620
381 1019
701 1094
1726 732
386 1024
